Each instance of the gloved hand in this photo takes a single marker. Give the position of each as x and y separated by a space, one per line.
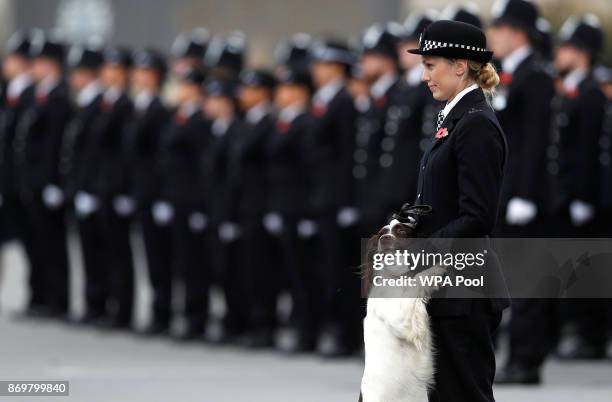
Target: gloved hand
52 196
85 204
229 232
520 211
581 212
307 228
273 222
124 205
197 222
162 212
347 216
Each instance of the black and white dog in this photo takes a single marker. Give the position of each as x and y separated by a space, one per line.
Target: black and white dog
397 337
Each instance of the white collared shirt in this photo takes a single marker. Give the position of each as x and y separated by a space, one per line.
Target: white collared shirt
573 79
289 113
414 75
88 93
112 94
449 106
511 62
188 109
17 85
219 127
44 87
142 100
257 112
382 85
328 91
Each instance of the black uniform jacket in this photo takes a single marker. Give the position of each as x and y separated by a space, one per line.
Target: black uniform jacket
461 178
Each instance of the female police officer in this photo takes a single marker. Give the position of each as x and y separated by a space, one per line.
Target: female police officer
460 178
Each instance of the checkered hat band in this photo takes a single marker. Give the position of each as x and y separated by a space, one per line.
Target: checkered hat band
431 44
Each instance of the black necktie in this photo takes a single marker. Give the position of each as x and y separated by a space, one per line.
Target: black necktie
440 119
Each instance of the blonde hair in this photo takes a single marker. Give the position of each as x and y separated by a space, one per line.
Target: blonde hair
484 75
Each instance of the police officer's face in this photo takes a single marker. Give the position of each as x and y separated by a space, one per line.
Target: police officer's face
145 79
188 92
114 76
43 67
408 60
288 94
216 107
374 66
567 58
502 40
14 65
250 96
444 77
323 73
80 77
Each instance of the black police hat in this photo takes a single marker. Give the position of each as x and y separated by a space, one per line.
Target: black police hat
118 56
454 39
19 44
257 78
333 51
221 87
150 58
584 33
89 58
191 44
543 41
45 46
193 75
416 23
227 53
382 39
467 13
294 52
517 13
295 77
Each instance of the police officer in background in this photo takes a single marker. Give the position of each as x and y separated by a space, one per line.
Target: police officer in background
331 201
182 145
293 54
379 64
143 135
468 13
289 182
188 50
78 151
110 187
17 95
522 103
37 147
258 256
221 108
578 119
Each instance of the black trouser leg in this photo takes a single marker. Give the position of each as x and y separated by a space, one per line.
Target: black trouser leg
35 253
465 356
96 276
56 249
158 249
331 272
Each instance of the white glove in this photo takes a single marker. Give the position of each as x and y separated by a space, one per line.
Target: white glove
273 222
520 211
124 205
85 204
347 216
229 232
53 196
581 212
307 228
197 222
163 212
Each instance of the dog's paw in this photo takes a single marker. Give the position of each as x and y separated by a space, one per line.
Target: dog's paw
429 280
408 320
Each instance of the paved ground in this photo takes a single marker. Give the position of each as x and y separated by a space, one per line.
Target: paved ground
104 367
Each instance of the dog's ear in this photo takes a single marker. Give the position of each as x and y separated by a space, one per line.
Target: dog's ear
367 265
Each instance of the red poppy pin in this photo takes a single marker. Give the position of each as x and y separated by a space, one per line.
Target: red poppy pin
442 132
505 78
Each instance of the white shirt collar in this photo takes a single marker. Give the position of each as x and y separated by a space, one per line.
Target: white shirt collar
257 112
219 127
88 93
142 100
188 109
382 85
112 94
289 113
18 84
48 84
514 59
362 103
573 79
449 106
414 75
328 91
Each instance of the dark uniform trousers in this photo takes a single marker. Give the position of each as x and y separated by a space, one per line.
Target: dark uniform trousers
460 178
37 146
181 151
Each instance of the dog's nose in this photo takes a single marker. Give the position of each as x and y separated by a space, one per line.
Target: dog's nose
386 241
